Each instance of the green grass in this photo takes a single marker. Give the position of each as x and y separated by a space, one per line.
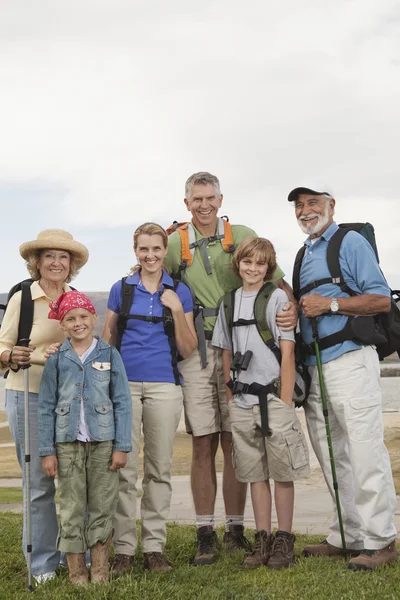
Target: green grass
310 579
9 495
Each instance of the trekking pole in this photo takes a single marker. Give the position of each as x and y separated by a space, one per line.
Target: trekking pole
25 342
314 325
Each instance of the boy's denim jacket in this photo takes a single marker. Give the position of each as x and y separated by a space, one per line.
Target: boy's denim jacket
101 382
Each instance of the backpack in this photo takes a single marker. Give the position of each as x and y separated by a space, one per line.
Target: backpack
127 295
302 380
382 330
189 242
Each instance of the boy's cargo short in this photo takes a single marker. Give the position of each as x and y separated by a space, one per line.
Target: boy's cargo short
282 457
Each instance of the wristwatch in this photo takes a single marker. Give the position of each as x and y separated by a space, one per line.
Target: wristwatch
334 306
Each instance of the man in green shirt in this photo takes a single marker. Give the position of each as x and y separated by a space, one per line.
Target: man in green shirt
210 276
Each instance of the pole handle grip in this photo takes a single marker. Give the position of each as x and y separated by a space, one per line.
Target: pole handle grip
25 343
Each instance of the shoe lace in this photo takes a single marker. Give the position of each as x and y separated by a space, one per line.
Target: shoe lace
206 543
158 558
280 545
121 560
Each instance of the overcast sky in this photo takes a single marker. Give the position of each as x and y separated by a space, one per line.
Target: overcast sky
107 106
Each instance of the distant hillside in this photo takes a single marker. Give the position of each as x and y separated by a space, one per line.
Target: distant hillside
99 300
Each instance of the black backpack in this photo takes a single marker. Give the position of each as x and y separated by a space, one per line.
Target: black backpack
302 381
382 330
127 294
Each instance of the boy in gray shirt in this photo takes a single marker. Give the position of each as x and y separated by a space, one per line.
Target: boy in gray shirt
283 455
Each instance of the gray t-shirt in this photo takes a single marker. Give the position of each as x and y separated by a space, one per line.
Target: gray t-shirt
263 367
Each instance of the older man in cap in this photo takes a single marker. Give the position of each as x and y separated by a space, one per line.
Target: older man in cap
351 375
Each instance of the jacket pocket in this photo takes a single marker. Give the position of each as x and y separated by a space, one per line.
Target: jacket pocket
62 418
105 414
298 450
101 371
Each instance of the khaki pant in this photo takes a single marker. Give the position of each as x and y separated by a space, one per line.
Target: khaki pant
157 407
367 495
85 483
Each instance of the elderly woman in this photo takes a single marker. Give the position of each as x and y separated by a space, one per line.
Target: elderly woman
53 259
140 325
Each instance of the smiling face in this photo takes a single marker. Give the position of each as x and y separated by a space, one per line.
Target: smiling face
150 251
204 203
314 214
78 324
253 271
54 265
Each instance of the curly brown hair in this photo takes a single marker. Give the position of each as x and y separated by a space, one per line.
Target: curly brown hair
259 247
32 264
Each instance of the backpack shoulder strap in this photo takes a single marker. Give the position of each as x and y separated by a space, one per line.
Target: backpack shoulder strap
169 328
26 312
296 271
228 303
127 294
332 258
260 314
225 229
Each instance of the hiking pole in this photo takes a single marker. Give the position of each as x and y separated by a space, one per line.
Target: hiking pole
25 342
314 325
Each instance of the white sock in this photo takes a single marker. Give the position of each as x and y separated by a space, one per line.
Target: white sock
204 520
233 520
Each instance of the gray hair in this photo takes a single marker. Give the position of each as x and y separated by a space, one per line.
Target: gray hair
202 178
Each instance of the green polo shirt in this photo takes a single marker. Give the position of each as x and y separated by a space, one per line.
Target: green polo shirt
209 289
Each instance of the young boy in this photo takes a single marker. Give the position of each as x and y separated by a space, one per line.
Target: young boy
283 454
85 418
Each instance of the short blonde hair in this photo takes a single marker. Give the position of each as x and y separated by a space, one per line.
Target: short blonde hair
32 264
148 229
260 248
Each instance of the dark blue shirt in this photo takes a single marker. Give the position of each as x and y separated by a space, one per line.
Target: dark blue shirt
145 350
361 273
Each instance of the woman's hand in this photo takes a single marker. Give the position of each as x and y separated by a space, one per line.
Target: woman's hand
53 349
118 460
49 465
171 300
21 355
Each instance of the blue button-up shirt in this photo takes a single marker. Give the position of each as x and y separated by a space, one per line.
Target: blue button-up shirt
360 271
145 348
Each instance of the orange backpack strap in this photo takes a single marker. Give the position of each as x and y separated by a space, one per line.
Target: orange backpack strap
224 227
186 252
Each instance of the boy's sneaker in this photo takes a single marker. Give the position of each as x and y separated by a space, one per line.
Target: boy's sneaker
326 549
121 564
261 550
234 539
282 553
368 560
43 577
207 546
156 561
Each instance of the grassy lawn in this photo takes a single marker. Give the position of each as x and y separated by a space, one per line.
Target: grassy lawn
310 579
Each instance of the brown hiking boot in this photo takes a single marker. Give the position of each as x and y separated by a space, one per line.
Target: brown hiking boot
77 570
326 549
282 553
368 560
156 561
261 551
99 554
207 546
121 564
234 539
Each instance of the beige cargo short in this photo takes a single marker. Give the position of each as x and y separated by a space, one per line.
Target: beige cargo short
204 396
282 457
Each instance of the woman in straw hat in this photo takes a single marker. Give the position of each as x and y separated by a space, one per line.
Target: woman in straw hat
53 259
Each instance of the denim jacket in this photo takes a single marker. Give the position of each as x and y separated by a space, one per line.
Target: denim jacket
101 382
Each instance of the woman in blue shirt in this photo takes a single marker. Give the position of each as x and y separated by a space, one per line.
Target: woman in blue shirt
149 346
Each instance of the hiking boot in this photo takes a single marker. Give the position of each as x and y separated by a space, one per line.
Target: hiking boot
121 564
282 553
234 539
326 549
99 555
207 546
261 551
77 570
156 561
368 560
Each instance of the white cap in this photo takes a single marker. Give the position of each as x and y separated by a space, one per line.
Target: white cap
317 188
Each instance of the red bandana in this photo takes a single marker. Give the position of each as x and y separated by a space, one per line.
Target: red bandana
68 301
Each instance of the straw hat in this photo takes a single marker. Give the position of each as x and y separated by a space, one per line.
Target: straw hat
56 239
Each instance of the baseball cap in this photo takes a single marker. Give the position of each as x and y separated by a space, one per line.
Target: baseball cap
317 188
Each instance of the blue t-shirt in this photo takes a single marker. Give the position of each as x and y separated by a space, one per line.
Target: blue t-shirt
145 350
360 271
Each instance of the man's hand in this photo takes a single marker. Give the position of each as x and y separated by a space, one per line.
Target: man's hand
287 319
315 305
118 460
53 349
49 465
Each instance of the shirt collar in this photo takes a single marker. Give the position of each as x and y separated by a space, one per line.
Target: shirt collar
135 279
328 233
38 292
